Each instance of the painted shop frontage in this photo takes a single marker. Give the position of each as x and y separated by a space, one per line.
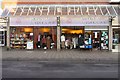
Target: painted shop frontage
116 34
80 27
81 31
3 31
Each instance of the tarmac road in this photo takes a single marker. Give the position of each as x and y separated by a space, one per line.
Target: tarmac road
57 69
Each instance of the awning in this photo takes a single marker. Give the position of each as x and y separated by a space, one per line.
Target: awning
27 10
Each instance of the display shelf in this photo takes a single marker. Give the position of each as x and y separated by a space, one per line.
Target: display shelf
18 41
19 37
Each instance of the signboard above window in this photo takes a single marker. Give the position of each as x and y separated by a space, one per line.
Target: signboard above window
84 21
64 21
33 21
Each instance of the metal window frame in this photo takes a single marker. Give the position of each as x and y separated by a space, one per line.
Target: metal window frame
80 8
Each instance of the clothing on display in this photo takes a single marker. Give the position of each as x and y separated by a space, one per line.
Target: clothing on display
88 40
80 40
39 37
63 41
66 43
104 40
48 42
43 42
63 44
62 38
39 41
74 42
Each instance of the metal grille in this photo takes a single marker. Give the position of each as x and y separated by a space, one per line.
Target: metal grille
20 10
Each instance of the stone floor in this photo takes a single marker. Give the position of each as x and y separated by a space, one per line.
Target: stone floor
79 55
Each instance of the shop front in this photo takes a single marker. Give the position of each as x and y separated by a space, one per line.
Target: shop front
116 34
82 26
3 31
84 32
116 39
3 34
76 32
33 32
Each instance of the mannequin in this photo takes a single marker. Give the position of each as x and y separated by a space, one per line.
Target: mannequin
39 41
74 42
63 41
48 42
80 40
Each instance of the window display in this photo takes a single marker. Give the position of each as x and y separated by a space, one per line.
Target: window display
116 36
19 38
45 37
116 39
96 39
88 39
104 40
74 37
81 41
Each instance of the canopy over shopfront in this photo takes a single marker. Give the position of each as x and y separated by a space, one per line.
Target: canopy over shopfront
26 12
32 10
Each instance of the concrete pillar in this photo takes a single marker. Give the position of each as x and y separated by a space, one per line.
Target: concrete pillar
110 34
58 34
8 33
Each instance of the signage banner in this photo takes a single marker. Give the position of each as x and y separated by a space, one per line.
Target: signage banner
84 20
30 45
64 20
33 21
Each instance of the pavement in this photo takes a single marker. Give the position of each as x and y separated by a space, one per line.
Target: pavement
63 55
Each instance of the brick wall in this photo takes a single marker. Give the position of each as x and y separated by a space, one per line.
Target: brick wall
15 2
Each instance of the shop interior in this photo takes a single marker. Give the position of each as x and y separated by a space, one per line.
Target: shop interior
32 37
77 37
116 38
21 37
70 37
45 38
97 40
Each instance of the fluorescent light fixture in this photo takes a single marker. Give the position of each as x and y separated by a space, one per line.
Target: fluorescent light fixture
31 34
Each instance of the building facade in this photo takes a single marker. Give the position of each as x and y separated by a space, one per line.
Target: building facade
59 24
3 31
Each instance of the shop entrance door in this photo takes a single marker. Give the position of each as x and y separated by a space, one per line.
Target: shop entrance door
96 40
70 36
45 38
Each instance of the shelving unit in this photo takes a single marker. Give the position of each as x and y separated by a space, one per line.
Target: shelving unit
18 42
21 38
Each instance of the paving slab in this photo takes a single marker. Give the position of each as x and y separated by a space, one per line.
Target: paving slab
63 55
